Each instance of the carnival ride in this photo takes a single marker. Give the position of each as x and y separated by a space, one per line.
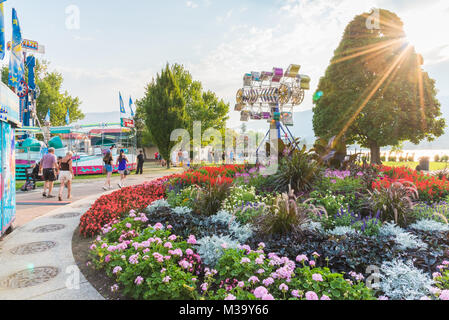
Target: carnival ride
88 143
272 96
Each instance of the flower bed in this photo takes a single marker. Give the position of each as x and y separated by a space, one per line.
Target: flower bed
430 188
257 244
116 204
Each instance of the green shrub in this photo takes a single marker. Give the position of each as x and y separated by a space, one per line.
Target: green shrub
283 217
395 202
208 200
182 198
298 170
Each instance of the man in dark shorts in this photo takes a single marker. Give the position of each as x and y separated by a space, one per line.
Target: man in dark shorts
140 161
49 168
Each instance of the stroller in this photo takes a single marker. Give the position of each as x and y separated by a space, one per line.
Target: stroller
31 177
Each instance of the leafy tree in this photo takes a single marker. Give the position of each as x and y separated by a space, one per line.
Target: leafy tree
203 106
165 110
374 91
51 96
199 105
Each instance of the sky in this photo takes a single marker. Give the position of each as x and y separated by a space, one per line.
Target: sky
121 45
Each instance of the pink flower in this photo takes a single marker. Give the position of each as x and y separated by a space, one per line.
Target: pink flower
436 275
424 298
191 240
283 287
158 226
92 247
267 297
138 280
172 237
169 227
383 298
311 295
317 277
260 271
166 279
444 295
117 270
204 286
268 281
253 279
224 245
245 260
128 225
168 245
302 258
262 245
241 284
114 288
107 258
312 263
230 297
295 293
324 297
259 292
189 252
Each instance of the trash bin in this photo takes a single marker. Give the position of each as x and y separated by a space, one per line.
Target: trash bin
424 163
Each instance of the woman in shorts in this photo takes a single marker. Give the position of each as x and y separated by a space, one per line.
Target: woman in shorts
122 162
108 169
66 175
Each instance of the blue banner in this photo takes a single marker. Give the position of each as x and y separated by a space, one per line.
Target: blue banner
16 67
2 31
47 117
31 64
67 117
131 106
122 104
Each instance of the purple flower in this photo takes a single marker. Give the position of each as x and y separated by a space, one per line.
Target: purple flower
259 292
283 287
138 280
311 295
317 277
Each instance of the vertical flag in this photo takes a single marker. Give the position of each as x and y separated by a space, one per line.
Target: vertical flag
67 117
2 31
16 66
122 105
131 106
47 117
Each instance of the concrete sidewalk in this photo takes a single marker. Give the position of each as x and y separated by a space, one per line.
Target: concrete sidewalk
36 259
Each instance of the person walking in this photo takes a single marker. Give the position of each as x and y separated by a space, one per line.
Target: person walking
49 168
122 162
140 161
66 175
107 159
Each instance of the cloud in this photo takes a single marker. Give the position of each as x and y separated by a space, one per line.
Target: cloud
191 4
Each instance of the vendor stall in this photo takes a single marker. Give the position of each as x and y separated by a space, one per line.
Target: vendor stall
9 120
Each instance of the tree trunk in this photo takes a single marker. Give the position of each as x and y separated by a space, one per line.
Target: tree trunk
375 153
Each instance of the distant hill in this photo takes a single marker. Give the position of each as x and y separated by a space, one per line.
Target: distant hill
100 117
303 127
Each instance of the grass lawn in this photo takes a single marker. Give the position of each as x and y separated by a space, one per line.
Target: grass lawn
433 165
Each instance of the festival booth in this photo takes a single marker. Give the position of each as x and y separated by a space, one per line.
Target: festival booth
9 121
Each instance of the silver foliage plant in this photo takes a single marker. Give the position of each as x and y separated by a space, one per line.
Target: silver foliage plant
341 231
211 249
403 239
402 281
155 205
428 225
240 232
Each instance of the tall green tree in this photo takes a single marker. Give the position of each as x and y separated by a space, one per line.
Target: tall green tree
51 95
200 105
375 91
165 110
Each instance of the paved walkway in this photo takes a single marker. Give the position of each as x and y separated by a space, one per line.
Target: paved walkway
36 260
